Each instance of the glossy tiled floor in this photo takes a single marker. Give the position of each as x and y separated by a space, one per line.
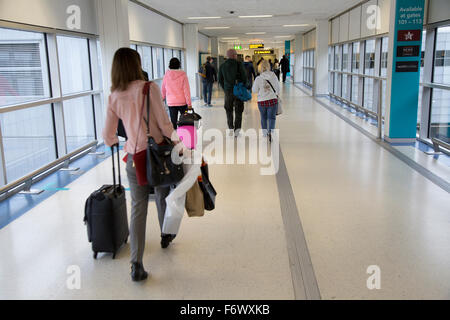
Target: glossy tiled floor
358 204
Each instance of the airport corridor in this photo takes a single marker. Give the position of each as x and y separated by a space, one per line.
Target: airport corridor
347 205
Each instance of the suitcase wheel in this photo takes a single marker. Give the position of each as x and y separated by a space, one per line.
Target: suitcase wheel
95 255
114 256
126 240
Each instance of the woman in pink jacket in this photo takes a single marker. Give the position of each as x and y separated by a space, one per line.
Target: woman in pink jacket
176 91
126 103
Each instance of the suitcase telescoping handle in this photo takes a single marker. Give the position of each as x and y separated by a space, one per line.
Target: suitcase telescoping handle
114 166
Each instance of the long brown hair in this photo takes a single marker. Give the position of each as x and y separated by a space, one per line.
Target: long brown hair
126 68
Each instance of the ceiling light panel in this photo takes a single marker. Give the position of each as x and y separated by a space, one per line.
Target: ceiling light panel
202 18
257 16
214 28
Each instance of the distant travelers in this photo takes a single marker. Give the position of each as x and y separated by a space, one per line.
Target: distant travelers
251 74
285 68
176 91
125 102
230 72
271 64
276 68
208 81
268 88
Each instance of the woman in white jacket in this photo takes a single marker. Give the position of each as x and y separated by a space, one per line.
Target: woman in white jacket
268 88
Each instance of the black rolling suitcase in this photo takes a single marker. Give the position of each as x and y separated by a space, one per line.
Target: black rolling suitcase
106 216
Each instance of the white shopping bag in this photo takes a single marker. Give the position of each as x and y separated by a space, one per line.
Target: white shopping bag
176 200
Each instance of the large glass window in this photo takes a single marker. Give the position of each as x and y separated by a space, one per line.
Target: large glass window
168 55
344 86
147 61
33 136
355 85
442 57
440 115
368 94
355 58
369 57
384 56
337 58
73 54
79 122
28 140
158 63
23 67
345 58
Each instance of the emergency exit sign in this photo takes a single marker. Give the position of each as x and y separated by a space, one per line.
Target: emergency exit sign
237 47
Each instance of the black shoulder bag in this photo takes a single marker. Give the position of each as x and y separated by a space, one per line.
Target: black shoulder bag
161 170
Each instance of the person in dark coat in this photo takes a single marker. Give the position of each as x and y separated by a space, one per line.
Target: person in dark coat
208 82
230 72
251 74
285 68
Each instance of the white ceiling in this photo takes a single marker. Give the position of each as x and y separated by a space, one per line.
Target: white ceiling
285 12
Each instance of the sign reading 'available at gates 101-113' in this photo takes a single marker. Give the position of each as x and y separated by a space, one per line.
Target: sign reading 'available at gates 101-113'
257 46
404 85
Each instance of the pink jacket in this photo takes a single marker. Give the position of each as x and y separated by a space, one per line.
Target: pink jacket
127 105
175 89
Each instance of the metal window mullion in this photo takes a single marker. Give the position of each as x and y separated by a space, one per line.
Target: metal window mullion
425 118
3 177
153 67
55 76
362 49
378 84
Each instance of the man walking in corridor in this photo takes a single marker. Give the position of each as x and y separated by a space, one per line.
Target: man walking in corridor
231 72
285 68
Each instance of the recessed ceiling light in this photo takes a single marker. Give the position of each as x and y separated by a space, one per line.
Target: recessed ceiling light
212 28
258 16
296 25
283 36
256 32
230 38
200 18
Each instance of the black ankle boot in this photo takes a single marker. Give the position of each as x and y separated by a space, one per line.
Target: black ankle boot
138 273
166 239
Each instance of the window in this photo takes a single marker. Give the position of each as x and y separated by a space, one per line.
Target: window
442 56
147 61
28 140
369 58
344 86
368 95
384 56
337 58
35 135
23 67
422 60
167 57
182 59
440 115
355 58
355 86
79 122
345 58
73 54
158 63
